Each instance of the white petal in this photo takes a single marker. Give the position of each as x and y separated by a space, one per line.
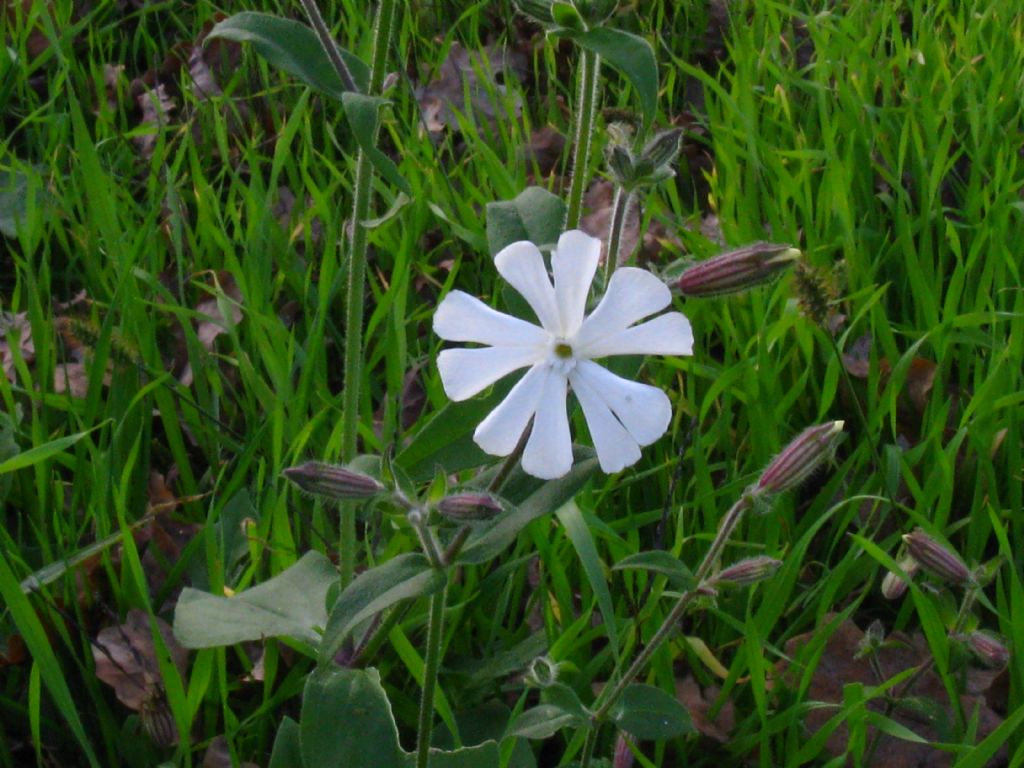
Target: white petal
616 448
548 452
632 295
464 372
461 317
522 265
668 334
499 433
644 410
573 264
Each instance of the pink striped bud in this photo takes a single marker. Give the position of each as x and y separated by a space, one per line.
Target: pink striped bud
469 507
737 270
988 649
798 460
893 585
936 559
749 571
332 481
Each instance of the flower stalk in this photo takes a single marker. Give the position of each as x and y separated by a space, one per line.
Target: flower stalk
357 246
431 665
586 113
620 208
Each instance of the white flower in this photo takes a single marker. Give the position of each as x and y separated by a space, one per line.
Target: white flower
622 415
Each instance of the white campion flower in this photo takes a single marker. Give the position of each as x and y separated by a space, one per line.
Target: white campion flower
622 415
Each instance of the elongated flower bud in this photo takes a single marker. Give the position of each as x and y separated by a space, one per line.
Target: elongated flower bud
893 585
332 481
737 270
798 460
748 571
469 507
937 559
988 649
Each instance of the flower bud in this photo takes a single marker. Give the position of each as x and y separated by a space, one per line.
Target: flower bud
662 150
798 460
893 585
333 481
469 507
542 673
749 571
538 10
620 163
737 270
937 559
872 641
988 649
623 755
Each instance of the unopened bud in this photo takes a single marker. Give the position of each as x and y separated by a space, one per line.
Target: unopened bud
872 641
663 148
988 649
332 481
542 673
469 507
737 270
623 755
893 585
749 571
936 559
798 460
620 163
538 10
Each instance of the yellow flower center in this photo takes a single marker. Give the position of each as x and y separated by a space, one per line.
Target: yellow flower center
563 350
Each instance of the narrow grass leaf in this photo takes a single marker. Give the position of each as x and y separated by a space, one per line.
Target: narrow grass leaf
43 452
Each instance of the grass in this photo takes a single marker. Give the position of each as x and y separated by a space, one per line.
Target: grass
881 138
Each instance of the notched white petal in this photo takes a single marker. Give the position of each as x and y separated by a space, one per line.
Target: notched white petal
461 317
548 452
632 295
522 266
499 433
668 334
644 411
573 264
465 372
616 448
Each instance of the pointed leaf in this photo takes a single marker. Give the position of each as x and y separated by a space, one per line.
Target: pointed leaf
486 542
363 114
347 721
293 47
647 712
629 54
401 578
292 603
287 749
543 722
660 562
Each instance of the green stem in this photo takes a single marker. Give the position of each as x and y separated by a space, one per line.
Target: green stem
432 664
327 43
620 207
610 694
590 66
354 295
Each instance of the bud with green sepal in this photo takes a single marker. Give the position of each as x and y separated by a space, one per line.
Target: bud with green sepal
470 507
737 270
333 481
748 571
937 559
798 460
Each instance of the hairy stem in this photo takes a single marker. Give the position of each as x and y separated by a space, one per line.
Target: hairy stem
610 694
354 295
327 43
432 663
620 207
586 111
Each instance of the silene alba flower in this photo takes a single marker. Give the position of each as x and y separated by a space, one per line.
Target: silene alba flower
622 415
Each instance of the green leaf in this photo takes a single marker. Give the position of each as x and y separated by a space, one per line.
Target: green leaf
15 192
484 755
660 562
293 603
629 54
486 542
543 722
363 114
579 534
293 47
562 696
447 439
43 452
287 747
647 712
43 657
401 578
347 721
534 214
